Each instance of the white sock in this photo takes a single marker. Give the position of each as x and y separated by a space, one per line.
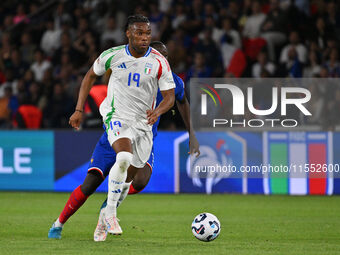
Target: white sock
58 224
117 177
125 192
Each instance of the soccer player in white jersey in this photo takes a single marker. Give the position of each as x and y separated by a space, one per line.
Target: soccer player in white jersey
141 176
128 113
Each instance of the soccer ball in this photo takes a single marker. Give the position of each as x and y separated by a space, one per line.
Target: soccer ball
206 227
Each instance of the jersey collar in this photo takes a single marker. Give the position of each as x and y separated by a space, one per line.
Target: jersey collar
129 53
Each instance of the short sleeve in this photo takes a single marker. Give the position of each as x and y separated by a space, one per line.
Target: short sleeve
165 79
179 90
99 66
103 62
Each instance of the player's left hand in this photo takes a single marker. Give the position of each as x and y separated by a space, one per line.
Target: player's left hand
152 116
194 146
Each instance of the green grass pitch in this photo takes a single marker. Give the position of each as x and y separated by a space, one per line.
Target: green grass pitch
160 224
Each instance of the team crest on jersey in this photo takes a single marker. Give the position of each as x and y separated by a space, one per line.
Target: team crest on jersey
148 68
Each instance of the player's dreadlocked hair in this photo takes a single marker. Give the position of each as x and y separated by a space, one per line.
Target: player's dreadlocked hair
134 19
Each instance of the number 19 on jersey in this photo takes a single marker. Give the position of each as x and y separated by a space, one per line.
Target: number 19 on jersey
135 78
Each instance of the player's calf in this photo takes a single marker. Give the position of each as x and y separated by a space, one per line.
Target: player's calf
117 177
75 201
140 179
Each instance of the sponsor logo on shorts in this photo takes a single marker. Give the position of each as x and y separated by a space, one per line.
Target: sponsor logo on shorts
113 127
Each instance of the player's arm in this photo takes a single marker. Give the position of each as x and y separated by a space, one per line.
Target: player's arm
86 85
165 105
98 68
184 110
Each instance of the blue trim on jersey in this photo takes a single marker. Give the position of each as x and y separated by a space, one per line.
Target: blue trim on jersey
127 50
147 52
129 53
151 159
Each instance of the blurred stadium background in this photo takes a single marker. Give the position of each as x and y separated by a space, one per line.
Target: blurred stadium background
47 46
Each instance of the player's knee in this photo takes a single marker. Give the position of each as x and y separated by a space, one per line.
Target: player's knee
124 160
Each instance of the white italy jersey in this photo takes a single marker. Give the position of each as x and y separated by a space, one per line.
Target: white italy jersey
133 84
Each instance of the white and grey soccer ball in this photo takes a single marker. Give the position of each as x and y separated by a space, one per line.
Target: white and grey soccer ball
206 227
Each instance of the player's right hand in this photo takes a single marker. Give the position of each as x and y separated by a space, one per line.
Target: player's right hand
152 116
194 146
76 119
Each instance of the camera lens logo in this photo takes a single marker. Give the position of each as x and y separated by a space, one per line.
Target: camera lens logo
210 91
242 102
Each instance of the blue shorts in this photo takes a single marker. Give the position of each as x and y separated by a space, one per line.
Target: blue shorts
104 157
